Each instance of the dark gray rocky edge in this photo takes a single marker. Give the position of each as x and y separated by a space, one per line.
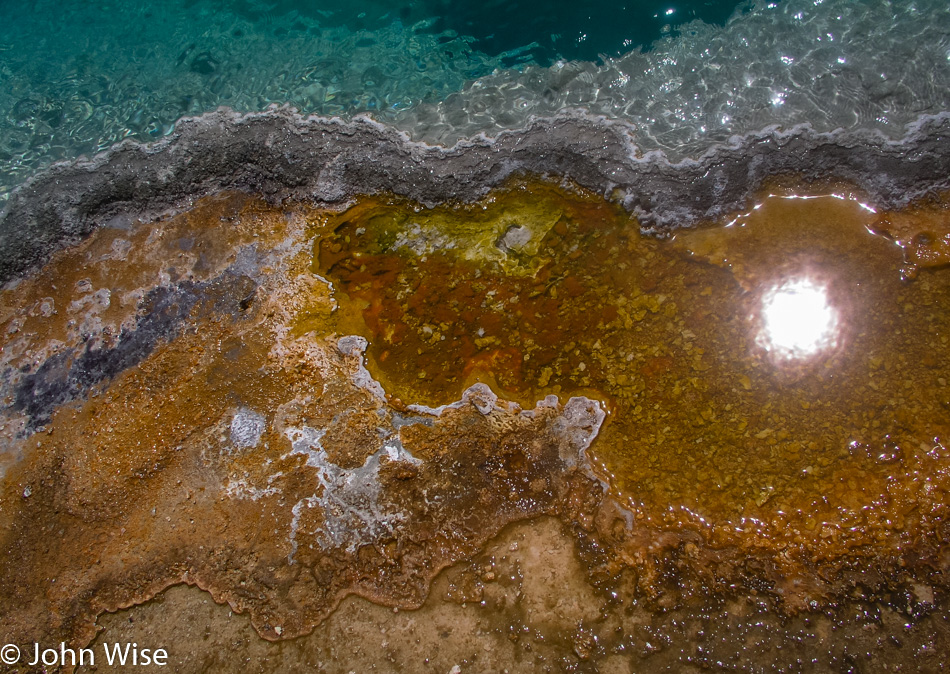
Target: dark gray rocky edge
282 154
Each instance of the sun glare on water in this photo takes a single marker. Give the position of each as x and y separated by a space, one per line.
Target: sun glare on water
797 320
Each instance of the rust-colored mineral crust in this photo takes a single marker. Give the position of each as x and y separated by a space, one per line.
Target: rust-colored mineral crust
164 425
284 406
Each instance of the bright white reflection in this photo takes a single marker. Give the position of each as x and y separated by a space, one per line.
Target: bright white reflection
797 320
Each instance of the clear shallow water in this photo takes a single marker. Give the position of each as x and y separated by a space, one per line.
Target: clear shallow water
77 78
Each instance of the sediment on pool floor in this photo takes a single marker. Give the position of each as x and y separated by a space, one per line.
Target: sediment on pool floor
541 291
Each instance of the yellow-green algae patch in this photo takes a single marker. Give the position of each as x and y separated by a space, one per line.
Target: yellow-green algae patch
442 316
810 457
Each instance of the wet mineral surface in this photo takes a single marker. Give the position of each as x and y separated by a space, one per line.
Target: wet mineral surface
805 452
290 408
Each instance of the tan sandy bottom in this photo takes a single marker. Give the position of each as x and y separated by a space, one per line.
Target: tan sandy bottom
536 612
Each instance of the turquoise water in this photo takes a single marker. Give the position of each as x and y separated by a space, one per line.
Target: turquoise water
78 77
